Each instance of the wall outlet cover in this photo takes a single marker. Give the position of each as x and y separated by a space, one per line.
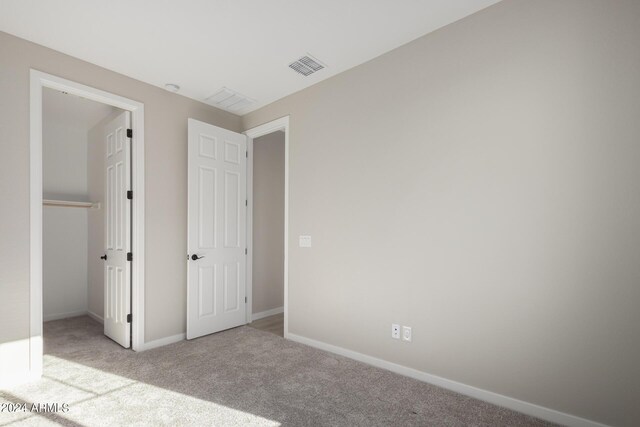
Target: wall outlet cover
406 333
304 241
395 331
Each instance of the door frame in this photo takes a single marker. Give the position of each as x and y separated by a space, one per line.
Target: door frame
38 81
253 133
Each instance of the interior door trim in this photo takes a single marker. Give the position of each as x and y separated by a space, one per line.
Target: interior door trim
38 81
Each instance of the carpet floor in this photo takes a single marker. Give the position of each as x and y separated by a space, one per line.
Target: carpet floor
238 377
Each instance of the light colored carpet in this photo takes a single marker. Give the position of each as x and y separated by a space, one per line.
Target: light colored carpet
238 377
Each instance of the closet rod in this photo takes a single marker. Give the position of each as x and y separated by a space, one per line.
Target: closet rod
70 204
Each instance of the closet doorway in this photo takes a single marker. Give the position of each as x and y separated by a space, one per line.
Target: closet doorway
86 224
86 234
268 226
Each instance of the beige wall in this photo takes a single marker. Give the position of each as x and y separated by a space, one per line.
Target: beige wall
64 160
482 185
64 262
268 222
165 176
64 230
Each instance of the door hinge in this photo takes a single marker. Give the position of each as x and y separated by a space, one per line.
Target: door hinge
245 300
129 256
246 202
246 154
129 194
129 133
129 317
245 251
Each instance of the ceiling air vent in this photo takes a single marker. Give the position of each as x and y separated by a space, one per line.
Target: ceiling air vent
306 65
229 100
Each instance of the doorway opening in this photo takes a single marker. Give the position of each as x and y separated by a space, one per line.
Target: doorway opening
75 210
86 225
267 305
267 226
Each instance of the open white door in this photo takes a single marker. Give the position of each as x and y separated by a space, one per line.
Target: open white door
117 209
217 219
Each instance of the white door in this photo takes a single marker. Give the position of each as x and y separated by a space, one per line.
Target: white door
217 192
117 270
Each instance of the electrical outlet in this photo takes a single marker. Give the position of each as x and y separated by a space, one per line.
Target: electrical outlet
395 331
406 333
304 241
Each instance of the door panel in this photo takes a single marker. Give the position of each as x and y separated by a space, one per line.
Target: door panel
207 210
231 210
231 286
216 282
117 270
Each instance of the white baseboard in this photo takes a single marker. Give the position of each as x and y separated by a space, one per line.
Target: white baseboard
267 313
95 317
485 395
59 316
163 341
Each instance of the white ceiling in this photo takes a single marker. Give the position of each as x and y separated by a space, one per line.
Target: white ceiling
72 111
244 45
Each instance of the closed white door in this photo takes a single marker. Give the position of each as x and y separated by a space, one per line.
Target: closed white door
217 216
117 269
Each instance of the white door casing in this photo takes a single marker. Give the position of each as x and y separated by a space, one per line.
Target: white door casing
39 80
117 271
216 237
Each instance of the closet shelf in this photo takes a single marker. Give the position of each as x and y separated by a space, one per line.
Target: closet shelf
70 204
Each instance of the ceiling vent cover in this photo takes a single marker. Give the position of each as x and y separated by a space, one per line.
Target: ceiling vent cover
306 65
229 100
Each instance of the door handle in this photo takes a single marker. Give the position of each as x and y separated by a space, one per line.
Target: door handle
104 257
196 257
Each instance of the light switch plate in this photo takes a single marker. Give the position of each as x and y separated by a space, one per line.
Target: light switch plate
304 241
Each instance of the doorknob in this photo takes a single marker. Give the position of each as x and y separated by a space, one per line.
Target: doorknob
104 257
196 257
